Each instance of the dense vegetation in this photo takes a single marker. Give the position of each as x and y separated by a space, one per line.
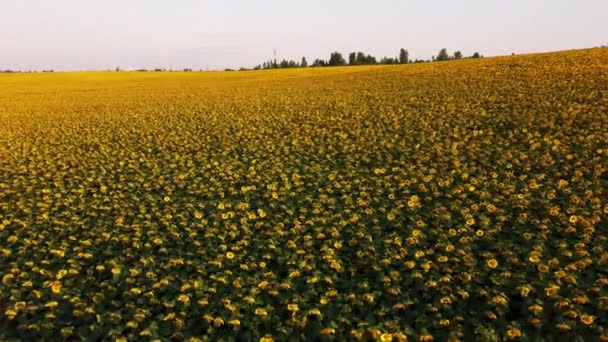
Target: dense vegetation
359 58
462 200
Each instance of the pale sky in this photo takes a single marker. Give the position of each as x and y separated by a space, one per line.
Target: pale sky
201 34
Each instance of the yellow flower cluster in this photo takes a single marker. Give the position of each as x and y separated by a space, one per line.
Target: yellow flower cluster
436 202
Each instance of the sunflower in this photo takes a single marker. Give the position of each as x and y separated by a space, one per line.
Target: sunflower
445 300
513 333
184 298
426 338
543 268
587 319
386 337
551 290
7 278
56 287
218 322
261 312
328 331
534 258
11 314
499 300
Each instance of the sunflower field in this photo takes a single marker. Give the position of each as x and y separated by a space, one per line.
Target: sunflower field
450 201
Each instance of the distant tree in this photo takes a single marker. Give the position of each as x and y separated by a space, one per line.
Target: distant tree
370 60
476 55
270 64
360 57
404 56
457 55
352 58
304 63
319 63
257 67
336 59
389 60
363 59
117 69
442 56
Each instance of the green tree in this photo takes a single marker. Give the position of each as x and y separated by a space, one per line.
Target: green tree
360 57
389 60
457 55
371 60
304 63
336 59
352 58
404 56
443 55
365 59
318 63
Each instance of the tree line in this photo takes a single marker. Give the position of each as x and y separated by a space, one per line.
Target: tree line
335 59
359 58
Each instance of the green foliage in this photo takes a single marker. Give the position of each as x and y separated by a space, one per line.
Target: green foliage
352 58
336 59
442 56
404 56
